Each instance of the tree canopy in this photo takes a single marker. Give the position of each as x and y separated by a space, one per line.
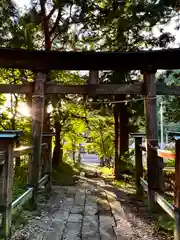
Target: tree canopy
78 25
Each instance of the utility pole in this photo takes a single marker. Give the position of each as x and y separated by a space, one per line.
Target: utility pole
162 126
166 138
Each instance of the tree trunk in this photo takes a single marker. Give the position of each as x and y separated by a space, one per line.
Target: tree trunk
13 127
61 151
73 156
48 29
116 140
102 162
124 133
57 153
18 159
47 45
79 155
73 152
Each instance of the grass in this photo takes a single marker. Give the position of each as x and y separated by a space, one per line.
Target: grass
19 182
18 219
64 175
18 189
170 163
128 185
165 223
106 172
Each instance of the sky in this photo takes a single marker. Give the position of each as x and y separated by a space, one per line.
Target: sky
22 3
170 27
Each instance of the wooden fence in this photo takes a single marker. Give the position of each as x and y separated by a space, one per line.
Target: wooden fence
7 155
157 193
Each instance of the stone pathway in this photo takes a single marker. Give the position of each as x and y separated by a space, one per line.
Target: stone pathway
86 211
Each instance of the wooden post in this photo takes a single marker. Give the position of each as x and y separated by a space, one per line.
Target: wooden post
177 190
138 165
151 135
29 176
45 139
37 126
17 143
48 162
49 167
6 178
116 141
18 159
93 77
160 174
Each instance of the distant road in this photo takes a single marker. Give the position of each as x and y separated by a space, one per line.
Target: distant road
89 158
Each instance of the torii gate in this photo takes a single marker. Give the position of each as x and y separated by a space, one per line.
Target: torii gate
43 61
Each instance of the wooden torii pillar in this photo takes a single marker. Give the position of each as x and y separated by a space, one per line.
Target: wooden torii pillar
93 77
153 168
37 129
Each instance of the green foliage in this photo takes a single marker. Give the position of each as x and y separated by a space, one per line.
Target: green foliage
102 136
20 178
18 189
64 175
106 171
18 219
170 163
165 223
171 102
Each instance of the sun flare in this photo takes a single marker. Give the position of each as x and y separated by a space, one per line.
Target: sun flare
24 110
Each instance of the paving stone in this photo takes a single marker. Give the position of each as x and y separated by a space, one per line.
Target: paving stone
97 237
58 227
71 237
103 194
106 221
67 204
51 236
79 198
90 209
77 210
70 190
117 210
60 190
107 233
72 229
91 199
90 228
90 218
75 218
61 215
111 197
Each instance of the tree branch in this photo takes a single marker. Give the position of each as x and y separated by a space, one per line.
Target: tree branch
56 22
45 25
51 13
3 126
42 4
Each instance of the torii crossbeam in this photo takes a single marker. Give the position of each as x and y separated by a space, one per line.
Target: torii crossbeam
55 60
